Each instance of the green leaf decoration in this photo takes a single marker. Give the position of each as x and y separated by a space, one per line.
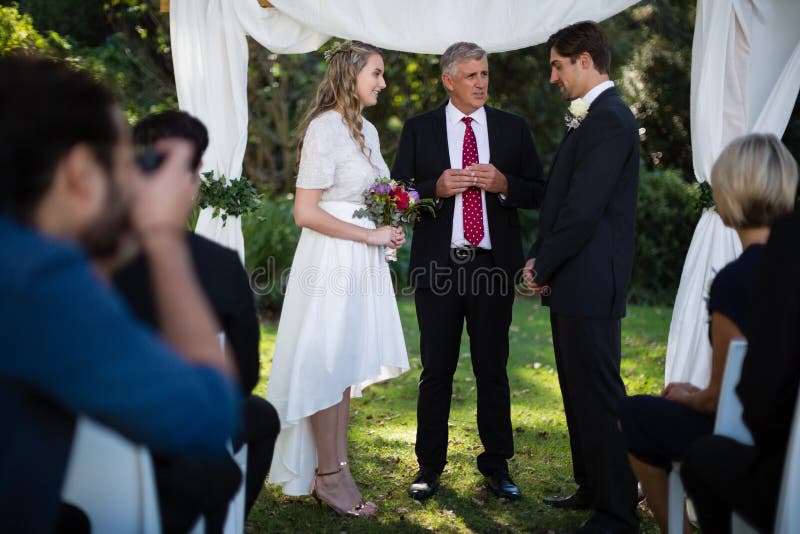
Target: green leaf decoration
235 197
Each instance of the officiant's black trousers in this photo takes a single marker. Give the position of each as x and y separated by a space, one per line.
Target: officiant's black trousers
475 291
588 352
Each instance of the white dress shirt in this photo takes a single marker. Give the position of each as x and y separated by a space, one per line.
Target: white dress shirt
455 144
595 91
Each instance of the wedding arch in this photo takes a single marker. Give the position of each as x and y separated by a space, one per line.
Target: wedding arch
745 77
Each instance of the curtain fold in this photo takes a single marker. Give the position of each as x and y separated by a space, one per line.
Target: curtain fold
745 78
429 27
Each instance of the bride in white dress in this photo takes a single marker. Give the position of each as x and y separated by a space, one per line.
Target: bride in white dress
340 328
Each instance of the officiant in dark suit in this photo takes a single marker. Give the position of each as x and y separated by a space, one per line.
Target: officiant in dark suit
480 165
581 263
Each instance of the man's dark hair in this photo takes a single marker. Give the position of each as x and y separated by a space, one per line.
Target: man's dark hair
46 108
173 124
586 36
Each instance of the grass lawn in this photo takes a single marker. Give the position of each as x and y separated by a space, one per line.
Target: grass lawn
383 430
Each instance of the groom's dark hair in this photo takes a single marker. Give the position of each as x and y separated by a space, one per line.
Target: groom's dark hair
586 36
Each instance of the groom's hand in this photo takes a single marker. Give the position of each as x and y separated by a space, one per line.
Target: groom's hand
453 182
528 278
488 178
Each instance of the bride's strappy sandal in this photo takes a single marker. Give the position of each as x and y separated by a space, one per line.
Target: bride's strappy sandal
361 509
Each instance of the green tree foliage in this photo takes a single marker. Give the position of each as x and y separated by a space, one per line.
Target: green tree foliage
656 80
666 215
17 31
85 21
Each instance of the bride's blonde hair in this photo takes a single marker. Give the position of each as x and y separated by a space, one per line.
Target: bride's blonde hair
338 89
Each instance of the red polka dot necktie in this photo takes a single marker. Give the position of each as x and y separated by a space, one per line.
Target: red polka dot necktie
471 202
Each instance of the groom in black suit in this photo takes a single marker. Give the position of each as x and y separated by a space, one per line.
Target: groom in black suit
581 264
480 165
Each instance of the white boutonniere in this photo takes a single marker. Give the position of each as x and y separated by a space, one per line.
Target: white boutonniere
578 109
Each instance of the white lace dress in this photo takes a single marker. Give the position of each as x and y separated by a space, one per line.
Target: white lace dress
339 324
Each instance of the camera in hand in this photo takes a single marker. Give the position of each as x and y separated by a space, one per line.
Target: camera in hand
149 159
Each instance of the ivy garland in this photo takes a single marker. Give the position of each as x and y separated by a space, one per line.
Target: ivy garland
234 197
705 198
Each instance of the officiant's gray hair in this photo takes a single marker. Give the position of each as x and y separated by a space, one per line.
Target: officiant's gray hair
458 52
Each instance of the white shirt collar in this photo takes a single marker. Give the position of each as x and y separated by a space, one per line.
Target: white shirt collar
595 91
454 115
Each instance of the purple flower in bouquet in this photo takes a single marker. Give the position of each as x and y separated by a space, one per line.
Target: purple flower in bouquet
381 188
414 196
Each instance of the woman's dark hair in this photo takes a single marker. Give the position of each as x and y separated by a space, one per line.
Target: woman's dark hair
46 108
173 124
587 36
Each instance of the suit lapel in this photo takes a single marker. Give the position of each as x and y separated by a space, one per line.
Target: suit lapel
439 126
560 146
493 130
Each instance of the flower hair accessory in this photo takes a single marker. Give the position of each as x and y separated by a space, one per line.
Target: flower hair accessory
578 109
341 46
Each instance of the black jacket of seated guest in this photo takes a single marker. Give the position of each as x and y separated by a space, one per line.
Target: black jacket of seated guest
187 489
225 284
771 369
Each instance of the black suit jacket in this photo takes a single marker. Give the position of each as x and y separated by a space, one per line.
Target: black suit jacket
423 155
584 251
227 288
771 369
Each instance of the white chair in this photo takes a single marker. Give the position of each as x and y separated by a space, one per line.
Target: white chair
234 522
728 422
112 480
788 518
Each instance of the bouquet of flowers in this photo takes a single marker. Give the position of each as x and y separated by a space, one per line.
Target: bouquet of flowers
389 203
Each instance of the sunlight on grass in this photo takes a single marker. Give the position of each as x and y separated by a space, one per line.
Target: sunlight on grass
383 431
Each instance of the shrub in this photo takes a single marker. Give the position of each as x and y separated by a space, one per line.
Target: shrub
667 213
270 237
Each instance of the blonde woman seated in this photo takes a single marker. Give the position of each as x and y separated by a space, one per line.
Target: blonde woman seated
754 180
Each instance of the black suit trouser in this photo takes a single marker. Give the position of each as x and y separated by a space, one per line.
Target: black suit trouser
722 476
188 489
475 291
259 430
588 352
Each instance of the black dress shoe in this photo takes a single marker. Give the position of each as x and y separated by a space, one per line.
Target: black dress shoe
576 501
502 486
425 485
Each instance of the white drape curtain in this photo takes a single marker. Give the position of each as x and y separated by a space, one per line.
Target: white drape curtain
209 52
209 55
429 27
745 78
